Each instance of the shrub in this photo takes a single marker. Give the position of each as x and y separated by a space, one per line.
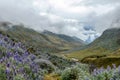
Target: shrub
78 72
70 74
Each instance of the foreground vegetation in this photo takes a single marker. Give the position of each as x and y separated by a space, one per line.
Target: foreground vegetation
18 63
83 72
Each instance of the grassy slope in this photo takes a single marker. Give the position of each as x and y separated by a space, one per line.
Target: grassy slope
113 58
87 52
63 41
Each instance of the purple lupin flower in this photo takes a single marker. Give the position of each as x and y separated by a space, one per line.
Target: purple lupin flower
8 65
25 54
32 57
8 54
7 71
114 66
95 72
1 60
21 70
118 69
108 68
101 69
14 70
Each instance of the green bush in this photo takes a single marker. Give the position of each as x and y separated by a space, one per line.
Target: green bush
78 72
70 74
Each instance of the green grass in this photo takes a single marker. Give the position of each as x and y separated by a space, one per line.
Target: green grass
103 61
97 56
87 52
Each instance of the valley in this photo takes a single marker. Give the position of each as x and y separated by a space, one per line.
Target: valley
56 55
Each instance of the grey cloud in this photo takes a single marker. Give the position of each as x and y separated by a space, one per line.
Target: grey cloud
108 20
96 2
88 27
23 12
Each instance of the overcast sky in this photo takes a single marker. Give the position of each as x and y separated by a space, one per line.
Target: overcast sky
79 18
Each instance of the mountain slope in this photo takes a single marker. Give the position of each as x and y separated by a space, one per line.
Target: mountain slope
35 39
109 39
107 43
64 40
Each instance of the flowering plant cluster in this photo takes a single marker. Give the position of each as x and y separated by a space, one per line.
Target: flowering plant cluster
16 63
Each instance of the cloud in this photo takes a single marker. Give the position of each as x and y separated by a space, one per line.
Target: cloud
73 17
88 27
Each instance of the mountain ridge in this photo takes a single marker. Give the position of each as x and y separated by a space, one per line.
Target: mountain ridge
65 37
36 39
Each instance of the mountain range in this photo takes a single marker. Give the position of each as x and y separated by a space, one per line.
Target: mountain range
101 51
